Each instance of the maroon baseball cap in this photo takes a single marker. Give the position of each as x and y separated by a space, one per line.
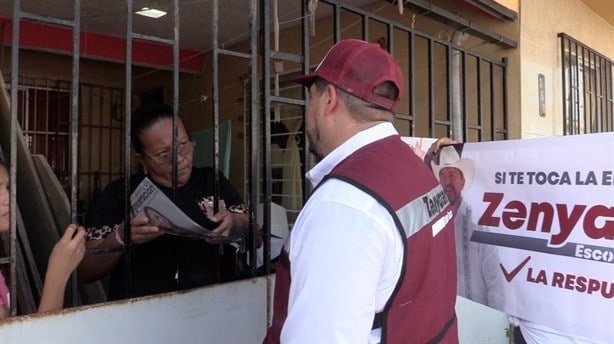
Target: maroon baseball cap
358 67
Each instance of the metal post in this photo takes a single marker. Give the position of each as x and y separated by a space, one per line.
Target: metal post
253 109
216 100
175 148
266 130
127 129
74 132
13 152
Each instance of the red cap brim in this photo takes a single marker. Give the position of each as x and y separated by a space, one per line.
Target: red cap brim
306 80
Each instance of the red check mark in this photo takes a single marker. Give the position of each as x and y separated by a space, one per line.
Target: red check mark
510 276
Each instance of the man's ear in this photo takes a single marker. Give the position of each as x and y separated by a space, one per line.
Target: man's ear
331 99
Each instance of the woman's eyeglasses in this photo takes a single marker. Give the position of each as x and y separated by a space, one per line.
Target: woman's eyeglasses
166 157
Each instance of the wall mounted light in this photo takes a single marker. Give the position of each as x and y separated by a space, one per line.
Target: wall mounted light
151 12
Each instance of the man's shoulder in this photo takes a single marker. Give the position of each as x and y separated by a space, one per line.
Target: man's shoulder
338 191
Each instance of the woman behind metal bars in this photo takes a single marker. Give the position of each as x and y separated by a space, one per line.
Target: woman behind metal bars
64 258
162 263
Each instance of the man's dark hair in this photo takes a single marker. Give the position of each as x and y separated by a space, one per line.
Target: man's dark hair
360 109
145 117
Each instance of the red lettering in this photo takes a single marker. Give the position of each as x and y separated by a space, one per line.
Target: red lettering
604 290
597 221
569 281
529 277
487 219
541 277
536 210
581 284
514 219
557 279
593 285
594 232
566 222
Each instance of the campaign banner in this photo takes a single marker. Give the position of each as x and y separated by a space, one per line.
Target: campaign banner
535 228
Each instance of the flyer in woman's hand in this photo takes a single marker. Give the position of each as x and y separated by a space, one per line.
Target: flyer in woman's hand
148 200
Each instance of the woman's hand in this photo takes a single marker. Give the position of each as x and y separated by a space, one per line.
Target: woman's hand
141 231
64 258
227 221
225 224
67 253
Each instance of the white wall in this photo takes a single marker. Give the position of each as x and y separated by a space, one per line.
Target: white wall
226 313
480 324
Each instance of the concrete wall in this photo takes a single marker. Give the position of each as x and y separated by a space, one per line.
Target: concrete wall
226 313
541 21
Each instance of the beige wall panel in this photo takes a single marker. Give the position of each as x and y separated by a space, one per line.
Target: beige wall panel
59 67
541 22
513 5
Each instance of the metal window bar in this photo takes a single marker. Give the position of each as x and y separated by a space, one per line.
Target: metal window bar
501 129
497 103
491 104
465 105
127 157
586 93
305 156
31 91
251 57
412 83
18 16
491 71
449 95
496 127
130 36
608 121
337 7
253 168
480 112
266 139
97 169
576 89
587 88
50 135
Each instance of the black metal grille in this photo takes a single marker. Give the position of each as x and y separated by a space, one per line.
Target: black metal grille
588 102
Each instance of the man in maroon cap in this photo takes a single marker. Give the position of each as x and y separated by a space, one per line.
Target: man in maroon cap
371 256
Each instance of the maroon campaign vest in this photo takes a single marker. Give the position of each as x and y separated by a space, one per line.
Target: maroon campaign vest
421 308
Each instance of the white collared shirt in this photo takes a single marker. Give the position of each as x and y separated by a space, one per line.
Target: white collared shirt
346 257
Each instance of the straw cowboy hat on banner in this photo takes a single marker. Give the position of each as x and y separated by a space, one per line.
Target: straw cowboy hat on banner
449 156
